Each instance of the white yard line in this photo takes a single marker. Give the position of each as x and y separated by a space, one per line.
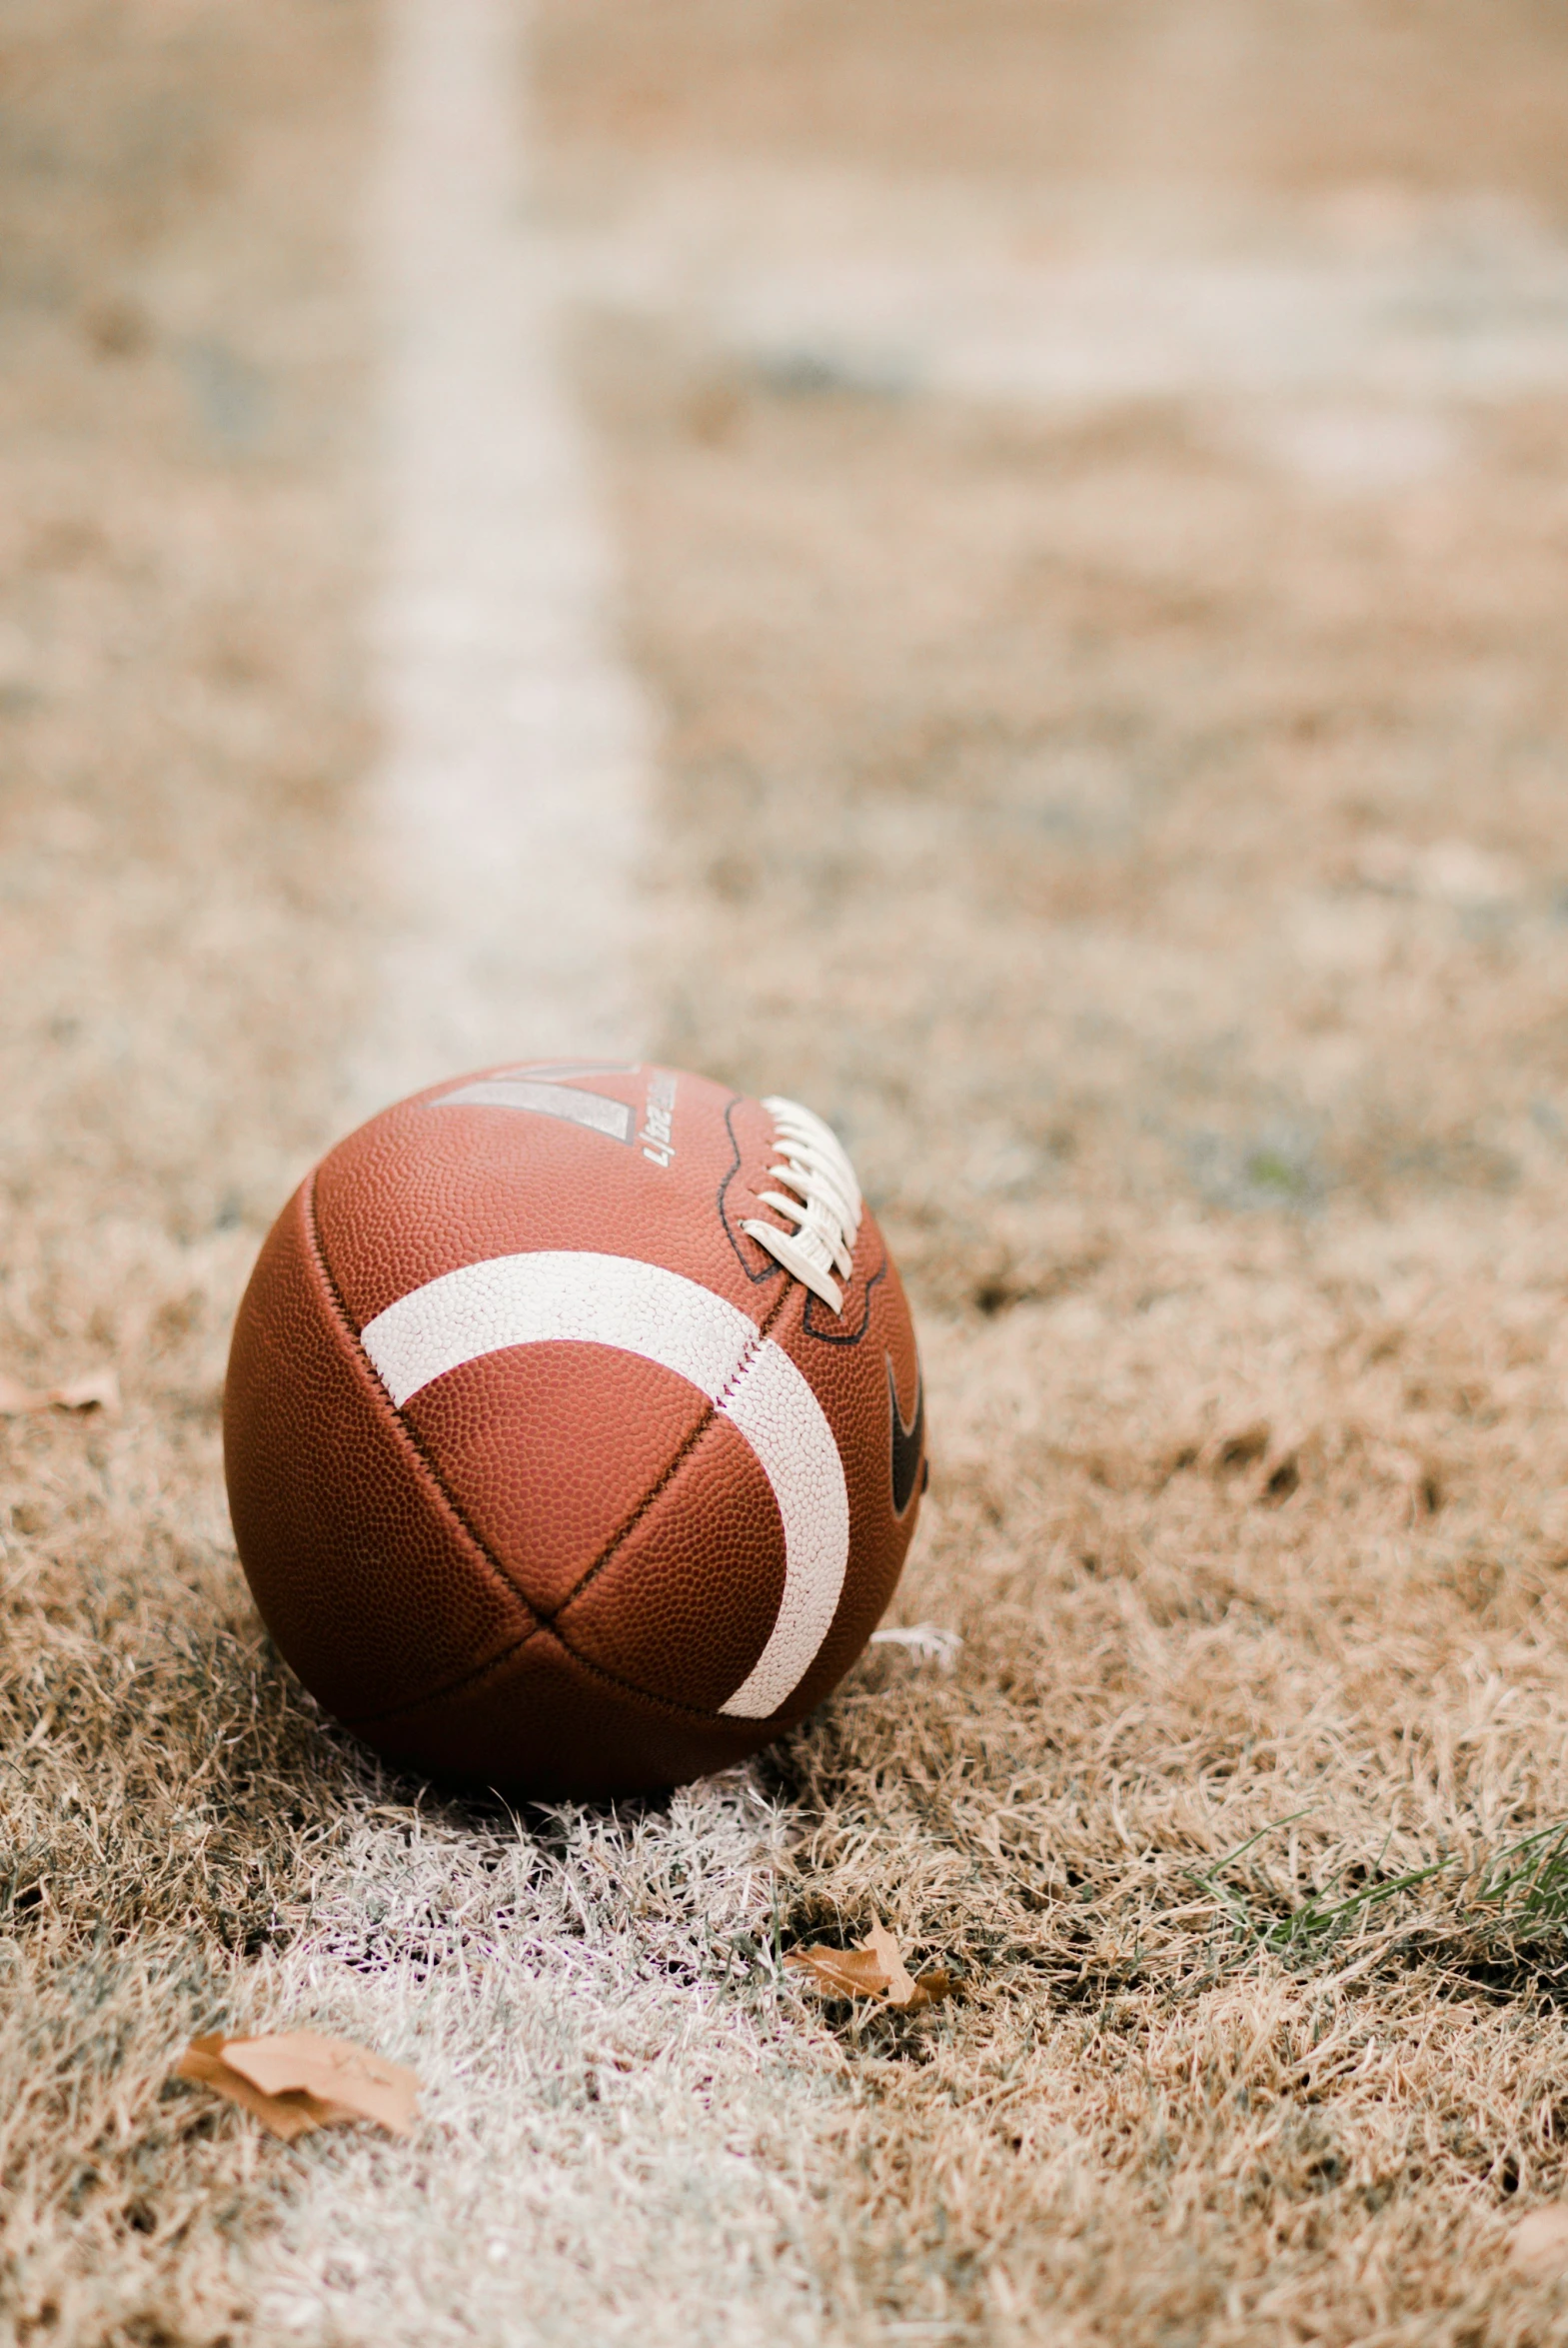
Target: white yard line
1348 339
614 2145
509 809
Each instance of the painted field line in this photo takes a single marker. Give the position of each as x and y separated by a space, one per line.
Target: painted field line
616 2146
1048 294
509 809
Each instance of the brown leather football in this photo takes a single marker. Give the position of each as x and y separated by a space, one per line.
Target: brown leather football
574 1427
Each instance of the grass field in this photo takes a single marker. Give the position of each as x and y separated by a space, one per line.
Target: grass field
1126 798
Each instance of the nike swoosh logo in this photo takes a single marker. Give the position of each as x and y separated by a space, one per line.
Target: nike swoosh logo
908 1443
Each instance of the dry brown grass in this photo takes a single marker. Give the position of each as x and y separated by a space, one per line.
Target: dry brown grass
179 559
1069 804
1055 803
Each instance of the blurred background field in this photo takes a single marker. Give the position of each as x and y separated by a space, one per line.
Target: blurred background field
1090 492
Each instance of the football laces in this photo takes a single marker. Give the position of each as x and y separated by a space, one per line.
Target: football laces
818 1194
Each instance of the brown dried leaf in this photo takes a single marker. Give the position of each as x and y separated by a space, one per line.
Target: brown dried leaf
297 2081
288 2117
875 1969
898 1982
932 1986
99 1392
842 1972
335 2070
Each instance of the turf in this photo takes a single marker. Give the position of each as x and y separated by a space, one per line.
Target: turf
1152 861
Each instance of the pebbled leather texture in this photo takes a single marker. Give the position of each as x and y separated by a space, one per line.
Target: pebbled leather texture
550 1568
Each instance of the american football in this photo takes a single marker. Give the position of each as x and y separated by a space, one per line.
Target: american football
574 1427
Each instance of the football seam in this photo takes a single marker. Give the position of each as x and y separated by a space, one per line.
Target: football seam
551 1620
677 1461
335 1301
539 1617
482 1671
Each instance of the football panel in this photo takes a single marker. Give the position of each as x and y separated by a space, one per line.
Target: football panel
363 1570
544 1724
687 1602
550 1449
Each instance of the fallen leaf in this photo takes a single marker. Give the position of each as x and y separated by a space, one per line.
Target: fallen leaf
333 2068
898 1982
203 2062
875 1969
297 2081
932 1986
1539 2242
848 1973
99 1392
